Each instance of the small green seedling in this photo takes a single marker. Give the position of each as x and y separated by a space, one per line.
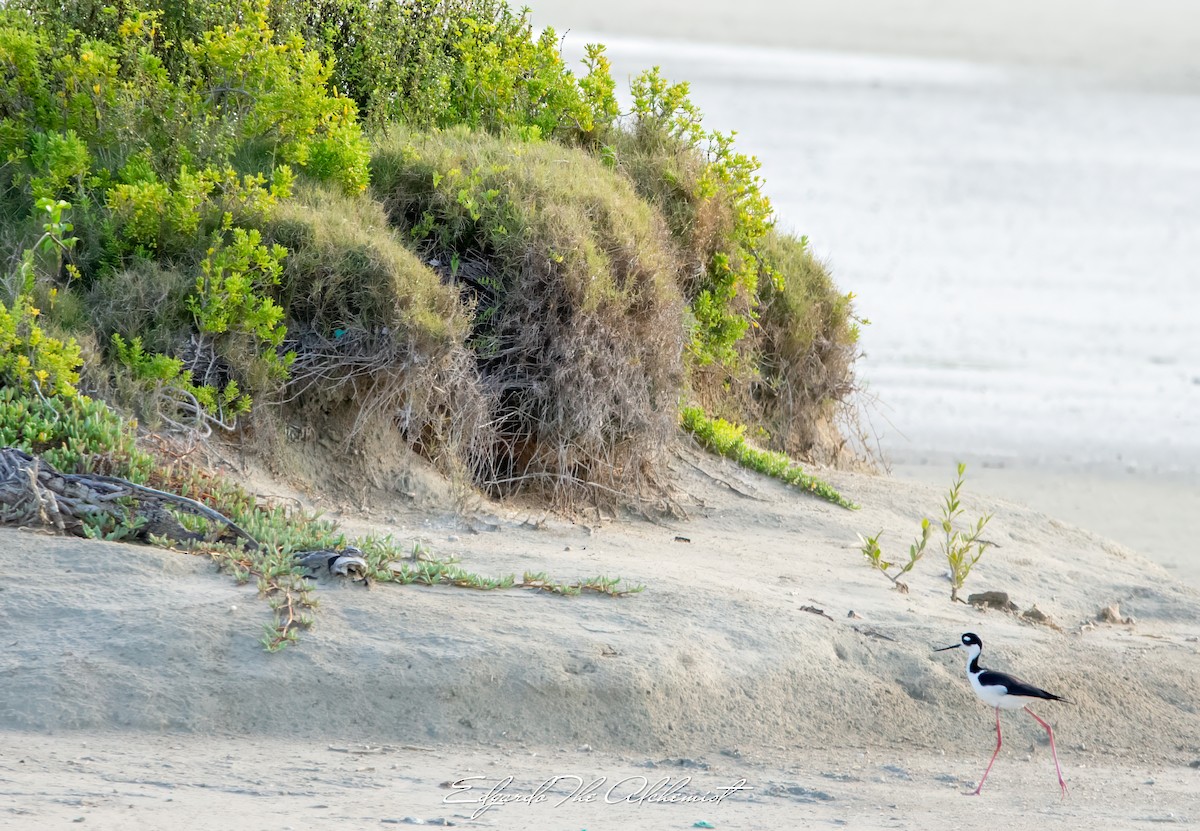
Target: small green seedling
873 553
962 548
957 545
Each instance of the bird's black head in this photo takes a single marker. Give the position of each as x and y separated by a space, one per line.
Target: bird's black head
968 640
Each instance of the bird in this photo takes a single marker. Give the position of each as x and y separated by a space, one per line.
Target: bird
1004 692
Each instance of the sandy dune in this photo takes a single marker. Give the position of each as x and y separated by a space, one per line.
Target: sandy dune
151 658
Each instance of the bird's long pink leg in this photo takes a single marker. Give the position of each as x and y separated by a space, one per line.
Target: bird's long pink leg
1061 783
994 755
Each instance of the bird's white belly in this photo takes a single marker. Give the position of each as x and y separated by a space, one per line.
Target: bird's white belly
996 696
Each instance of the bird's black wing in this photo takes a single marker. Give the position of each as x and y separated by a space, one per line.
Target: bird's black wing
1015 686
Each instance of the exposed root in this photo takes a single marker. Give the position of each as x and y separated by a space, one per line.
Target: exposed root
32 492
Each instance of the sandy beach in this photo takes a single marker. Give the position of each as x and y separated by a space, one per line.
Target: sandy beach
765 661
763 649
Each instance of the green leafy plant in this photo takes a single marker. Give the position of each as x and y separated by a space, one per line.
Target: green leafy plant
233 305
113 530
168 385
152 216
230 289
962 547
728 439
873 553
725 298
53 241
437 63
276 89
73 433
29 357
32 359
280 581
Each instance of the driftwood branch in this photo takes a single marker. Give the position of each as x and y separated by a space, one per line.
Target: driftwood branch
32 492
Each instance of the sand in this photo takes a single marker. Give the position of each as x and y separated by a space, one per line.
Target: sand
763 648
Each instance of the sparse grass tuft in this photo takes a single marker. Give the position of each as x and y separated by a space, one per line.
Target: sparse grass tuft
727 439
387 563
610 586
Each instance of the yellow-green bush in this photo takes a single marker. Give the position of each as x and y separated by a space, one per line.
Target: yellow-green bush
718 213
728 439
30 358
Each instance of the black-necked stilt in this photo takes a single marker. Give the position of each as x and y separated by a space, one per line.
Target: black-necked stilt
1004 692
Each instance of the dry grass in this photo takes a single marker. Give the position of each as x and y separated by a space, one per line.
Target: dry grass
667 173
376 331
806 345
578 327
146 300
794 369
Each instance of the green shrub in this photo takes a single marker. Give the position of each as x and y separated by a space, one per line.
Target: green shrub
166 219
116 114
438 63
231 290
240 324
772 340
713 199
276 91
30 358
578 324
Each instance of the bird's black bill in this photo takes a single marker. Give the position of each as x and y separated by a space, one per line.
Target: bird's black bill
951 646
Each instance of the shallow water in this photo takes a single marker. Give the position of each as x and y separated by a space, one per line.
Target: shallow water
1026 246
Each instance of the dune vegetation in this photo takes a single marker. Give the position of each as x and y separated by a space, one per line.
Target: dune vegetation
228 218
